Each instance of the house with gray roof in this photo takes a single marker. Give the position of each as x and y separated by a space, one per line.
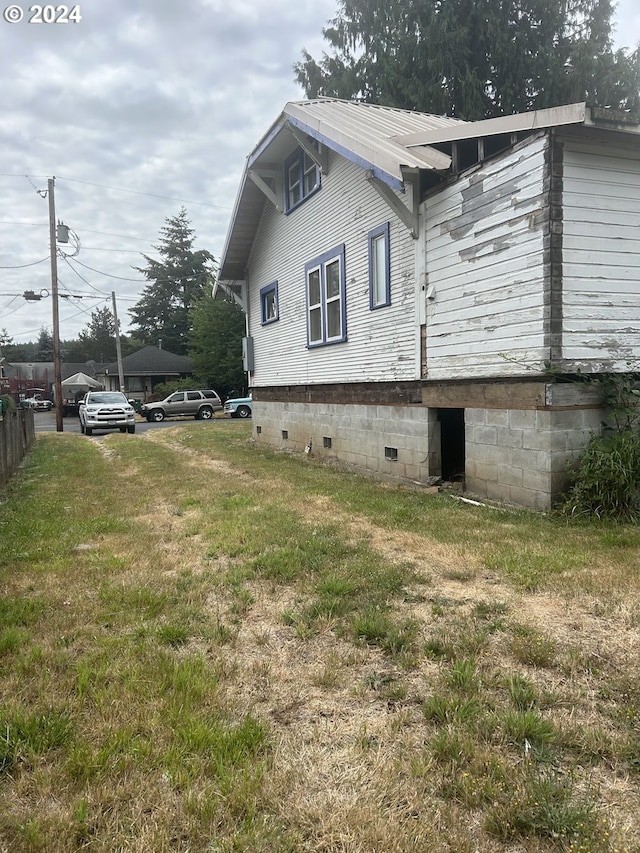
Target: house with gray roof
144 369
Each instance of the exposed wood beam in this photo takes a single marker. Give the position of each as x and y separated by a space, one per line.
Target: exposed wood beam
264 188
228 287
408 217
320 158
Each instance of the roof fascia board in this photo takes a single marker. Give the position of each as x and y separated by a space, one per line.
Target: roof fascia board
234 216
266 140
569 114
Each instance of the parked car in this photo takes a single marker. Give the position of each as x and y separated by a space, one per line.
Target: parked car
106 410
37 404
239 407
200 404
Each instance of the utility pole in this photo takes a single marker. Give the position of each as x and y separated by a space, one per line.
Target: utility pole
57 368
118 345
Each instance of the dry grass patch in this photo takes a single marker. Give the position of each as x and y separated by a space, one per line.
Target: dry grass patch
263 655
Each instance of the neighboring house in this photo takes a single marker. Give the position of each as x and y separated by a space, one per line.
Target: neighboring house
144 369
407 278
20 378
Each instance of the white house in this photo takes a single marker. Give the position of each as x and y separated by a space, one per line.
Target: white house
407 279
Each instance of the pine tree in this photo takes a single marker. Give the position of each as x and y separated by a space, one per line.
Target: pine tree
473 59
163 314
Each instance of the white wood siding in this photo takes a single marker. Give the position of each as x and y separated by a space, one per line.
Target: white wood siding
601 255
380 344
484 250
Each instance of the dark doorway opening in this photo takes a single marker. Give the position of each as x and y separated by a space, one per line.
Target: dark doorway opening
452 444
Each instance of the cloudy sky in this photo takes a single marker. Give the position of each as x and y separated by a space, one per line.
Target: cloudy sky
138 109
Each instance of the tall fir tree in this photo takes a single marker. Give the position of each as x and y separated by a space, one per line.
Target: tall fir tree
176 282
473 59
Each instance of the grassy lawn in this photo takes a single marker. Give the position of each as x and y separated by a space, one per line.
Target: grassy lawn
206 646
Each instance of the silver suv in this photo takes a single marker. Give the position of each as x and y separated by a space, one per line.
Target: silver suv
106 410
200 404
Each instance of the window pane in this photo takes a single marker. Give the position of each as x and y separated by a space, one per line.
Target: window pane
379 249
332 272
269 306
294 183
314 287
315 325
334 324
310 175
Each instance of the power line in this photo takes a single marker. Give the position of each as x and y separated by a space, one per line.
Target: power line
84 231
119 251
139 192
22 266
109 275
82 278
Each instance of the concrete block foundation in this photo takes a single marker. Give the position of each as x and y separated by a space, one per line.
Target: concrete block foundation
515 456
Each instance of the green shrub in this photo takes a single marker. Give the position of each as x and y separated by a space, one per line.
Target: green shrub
606 479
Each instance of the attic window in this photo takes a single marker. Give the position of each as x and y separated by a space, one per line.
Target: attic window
302 178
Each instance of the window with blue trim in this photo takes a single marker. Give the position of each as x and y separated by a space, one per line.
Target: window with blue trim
326 298
379 267
269 310
302 178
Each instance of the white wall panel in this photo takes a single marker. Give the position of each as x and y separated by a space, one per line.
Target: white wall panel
601 255
381 343
485 266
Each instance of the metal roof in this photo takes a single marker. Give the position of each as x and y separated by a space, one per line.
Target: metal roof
362 133
580 113
553 117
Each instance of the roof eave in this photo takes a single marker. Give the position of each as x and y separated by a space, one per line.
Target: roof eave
552 117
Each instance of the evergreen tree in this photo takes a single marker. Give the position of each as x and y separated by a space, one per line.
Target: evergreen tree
175 284
216 345
16 353
44 346
97 342
473 59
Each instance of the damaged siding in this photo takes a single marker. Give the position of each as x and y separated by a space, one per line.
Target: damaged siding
601 262
486 277
380 344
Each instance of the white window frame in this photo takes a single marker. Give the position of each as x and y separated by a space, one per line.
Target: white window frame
379 267
269 310
301 179
322 328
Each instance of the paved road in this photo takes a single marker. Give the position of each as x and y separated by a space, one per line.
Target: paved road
46 422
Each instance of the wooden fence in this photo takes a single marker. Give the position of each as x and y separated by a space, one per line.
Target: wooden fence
17 436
